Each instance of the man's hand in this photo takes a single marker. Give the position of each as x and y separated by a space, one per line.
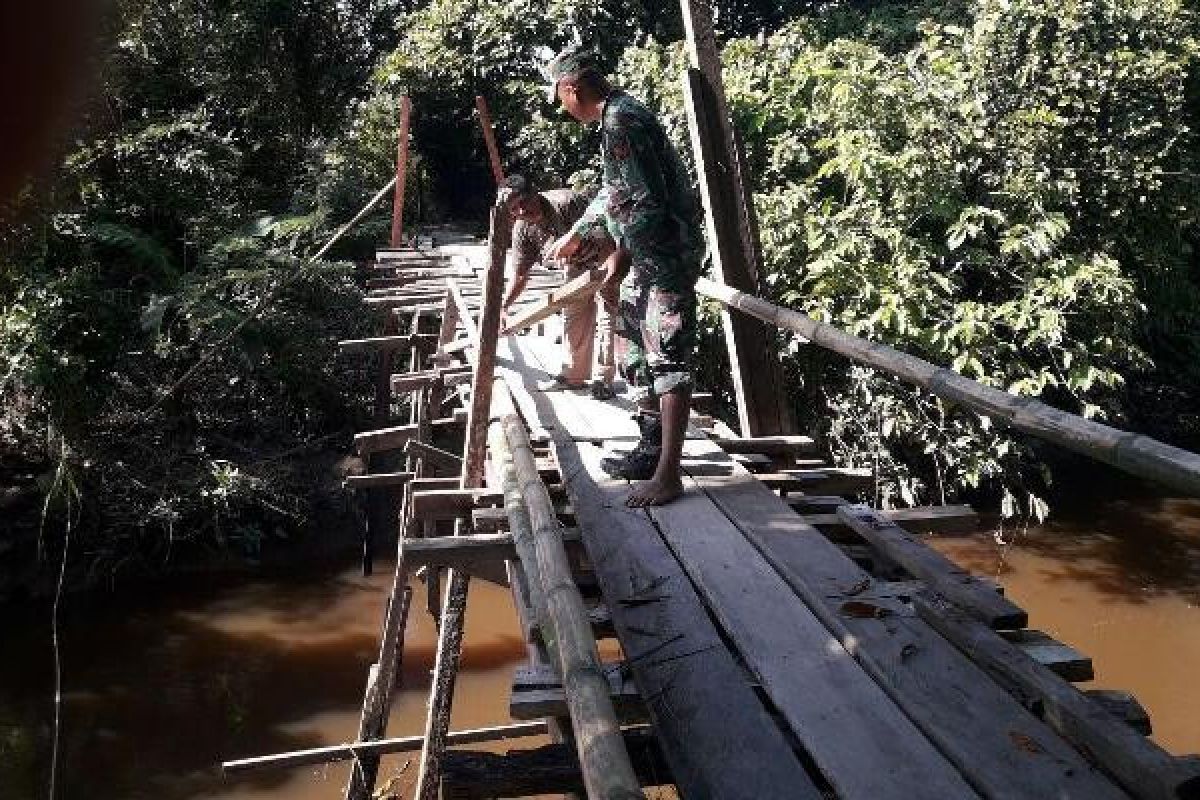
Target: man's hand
565 247
616 266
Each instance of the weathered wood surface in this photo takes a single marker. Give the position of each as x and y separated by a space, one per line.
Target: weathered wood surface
391 438
377 480
971 719
386 343
1143 768
1134 453
570 292
769 445
489 139
549 770
932 567
1063 660
922 519
434 455
471 548
537 692
397 237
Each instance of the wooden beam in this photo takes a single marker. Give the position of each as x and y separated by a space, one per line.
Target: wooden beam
383 439
932 567
387 343
435 455
922 519
769 445
377 480
452 503
1063 660
537 693
465 315
568 293
403 744
397 237
489 139
732 228
1143 768
470 549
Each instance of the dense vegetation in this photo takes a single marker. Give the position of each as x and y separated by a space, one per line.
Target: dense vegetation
1000 186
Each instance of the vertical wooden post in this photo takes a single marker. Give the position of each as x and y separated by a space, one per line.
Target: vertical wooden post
732 229
489 138
437 724
397 239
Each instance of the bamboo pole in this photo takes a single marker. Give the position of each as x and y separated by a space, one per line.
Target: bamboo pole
1136 454
604 761
401 173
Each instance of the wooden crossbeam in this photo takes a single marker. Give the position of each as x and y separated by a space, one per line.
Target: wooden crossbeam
377 480
769 445
383 439
932 567
452 503
471 549
1063 660
569 292
537 693
387 343
433 454
922 519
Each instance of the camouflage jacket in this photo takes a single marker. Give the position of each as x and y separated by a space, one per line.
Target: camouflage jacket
646 200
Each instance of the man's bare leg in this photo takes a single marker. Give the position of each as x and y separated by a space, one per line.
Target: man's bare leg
666 484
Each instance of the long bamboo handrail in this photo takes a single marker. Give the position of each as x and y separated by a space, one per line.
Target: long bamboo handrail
1136 454
563 623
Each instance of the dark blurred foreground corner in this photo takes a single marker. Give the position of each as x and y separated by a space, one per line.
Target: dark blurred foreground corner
45 49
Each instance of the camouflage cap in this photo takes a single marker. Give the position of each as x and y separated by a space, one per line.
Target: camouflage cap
572 59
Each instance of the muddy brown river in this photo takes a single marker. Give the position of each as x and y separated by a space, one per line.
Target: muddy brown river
162 684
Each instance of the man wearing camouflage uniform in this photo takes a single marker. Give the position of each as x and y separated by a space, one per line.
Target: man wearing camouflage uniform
646 201
541 218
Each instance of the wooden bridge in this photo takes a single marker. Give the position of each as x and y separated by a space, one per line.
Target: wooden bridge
776 638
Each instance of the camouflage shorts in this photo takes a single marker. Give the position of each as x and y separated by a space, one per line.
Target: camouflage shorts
656 336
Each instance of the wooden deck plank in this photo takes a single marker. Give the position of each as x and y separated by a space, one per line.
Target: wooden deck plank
971 719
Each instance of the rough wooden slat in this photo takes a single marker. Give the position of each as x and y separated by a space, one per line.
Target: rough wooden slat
471 549
769 445
383 439
932 567
971 719
386 343
1124 706
452 503
922 519
435 455
380 479
538 693
1143 768
568 293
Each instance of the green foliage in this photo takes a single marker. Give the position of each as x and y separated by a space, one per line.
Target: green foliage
995 196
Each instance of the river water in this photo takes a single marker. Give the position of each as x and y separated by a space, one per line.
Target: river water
162 684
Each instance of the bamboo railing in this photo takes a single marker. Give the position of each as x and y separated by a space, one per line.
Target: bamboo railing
1136 454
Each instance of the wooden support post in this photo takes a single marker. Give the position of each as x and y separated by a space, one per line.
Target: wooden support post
401 173
489 138
732 228
464 312
474 452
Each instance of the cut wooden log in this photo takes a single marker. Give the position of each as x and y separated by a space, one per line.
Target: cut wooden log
933 568
537 693
570 292
1143 768
1063 660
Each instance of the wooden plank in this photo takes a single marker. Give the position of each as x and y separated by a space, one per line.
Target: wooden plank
537 693
386 343
434 455
716 735
1143 768
379 479
732 228
1124 706
976 724
569 292
465 312
383 439
769 445
1063 660
470 549
932 567
839 714
922 519
452 503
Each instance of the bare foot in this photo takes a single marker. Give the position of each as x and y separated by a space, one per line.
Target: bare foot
655 492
